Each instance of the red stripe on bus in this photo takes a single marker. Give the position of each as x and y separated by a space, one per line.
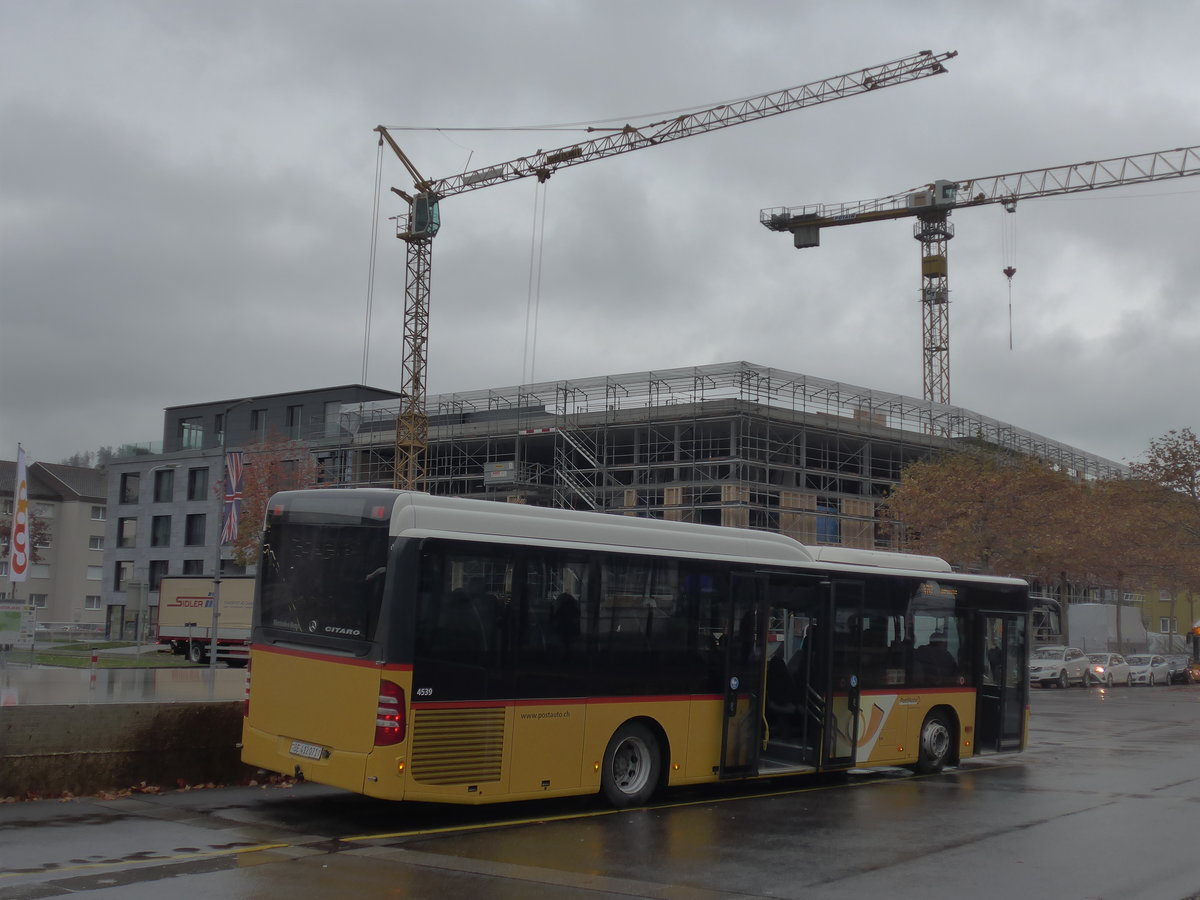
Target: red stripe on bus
559 701
329 657
887 692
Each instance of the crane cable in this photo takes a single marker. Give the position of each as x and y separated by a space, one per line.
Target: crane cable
371 265
1008 241
533 297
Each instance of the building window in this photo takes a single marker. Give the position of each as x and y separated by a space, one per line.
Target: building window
122 574
160 531
1166 625
91 601
6 507
95 573
194 530
44 541
42 510
38 601
158 568
164 485
191 433
129 487
197 484
295 421
127 532
829 525
4 566
219 428
193 567
258 424
95 542
99 513
39 570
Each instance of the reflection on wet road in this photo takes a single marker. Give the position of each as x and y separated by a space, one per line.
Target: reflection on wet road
47 685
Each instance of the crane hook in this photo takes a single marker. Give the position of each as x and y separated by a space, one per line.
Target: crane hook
1010 271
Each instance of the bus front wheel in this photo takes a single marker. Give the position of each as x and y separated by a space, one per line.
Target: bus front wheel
936 740
632 766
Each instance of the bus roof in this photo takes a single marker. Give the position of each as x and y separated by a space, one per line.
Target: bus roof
415 514
425 515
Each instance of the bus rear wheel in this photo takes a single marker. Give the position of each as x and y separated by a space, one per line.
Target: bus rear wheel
632 766
936 738
196 652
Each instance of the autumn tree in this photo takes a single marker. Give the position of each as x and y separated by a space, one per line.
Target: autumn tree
986 511
39 536
1173 461
1171 473
276 464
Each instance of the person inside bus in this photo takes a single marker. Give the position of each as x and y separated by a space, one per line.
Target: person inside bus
783 698
565 620
933 661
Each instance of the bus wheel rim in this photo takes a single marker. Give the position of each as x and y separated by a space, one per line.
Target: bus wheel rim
936 739
631 765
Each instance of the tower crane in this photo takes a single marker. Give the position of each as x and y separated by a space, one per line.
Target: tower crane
931 206
423 221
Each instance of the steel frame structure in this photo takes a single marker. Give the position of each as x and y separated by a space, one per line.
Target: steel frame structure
733 443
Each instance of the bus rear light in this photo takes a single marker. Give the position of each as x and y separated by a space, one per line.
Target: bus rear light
389 715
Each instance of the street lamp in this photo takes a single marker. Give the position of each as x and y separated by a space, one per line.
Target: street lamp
216 594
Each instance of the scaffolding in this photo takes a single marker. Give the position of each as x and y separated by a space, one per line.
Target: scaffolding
731 444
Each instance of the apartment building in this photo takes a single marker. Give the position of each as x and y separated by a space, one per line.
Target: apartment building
65 578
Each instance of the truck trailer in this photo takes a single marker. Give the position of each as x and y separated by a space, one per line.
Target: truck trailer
185 617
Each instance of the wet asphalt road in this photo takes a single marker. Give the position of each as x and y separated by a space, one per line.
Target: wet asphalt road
1104 804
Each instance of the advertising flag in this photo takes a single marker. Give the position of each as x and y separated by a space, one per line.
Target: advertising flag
233 496
18 560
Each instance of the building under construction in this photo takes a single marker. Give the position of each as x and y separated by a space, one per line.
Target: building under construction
728 444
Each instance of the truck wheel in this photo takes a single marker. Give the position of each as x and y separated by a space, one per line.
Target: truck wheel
196 652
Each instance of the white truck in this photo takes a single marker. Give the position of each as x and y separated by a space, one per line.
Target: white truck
185 615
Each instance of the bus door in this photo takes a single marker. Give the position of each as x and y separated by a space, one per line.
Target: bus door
842 714
744 672
1002 682
797 683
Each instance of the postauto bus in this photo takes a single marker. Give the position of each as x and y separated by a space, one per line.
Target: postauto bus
408 646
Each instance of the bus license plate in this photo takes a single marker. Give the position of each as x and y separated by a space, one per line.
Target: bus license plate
309 751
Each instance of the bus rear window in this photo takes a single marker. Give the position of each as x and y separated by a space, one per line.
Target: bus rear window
323 581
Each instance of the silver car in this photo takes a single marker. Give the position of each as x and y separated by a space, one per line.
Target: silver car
1108 669
1058 665
1148 669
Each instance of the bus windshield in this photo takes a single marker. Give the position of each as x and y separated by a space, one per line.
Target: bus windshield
322 582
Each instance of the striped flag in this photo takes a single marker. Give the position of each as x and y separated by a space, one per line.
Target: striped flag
18 560
233 496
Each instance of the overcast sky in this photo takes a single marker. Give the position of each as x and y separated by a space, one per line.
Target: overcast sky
186 197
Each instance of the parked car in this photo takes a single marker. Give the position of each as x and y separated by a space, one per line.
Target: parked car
1194 672
1148 669
1177 669
1108 669
1058 665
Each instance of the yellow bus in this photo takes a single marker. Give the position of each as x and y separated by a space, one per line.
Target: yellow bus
413 647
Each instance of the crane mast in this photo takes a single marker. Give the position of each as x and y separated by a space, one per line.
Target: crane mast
418 229
931 206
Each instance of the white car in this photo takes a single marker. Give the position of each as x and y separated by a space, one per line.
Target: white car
1108 669
1148 669
1058 665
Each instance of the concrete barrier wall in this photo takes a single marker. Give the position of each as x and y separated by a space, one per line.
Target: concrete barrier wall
85 749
